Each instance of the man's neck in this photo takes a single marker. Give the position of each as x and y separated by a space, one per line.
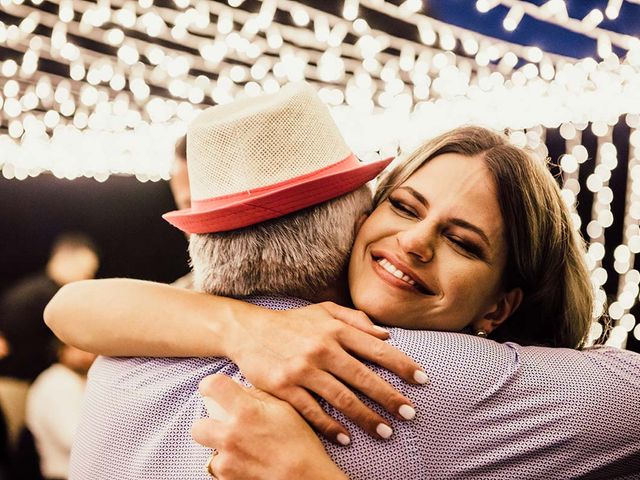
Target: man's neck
337 294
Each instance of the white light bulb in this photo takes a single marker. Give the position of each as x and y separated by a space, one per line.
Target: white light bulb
613 9
593 19
301 17
225 22
11 88
604 46
410 7
483 6
568 163
596 251
427 34
513 18
534 54
9 68
599 128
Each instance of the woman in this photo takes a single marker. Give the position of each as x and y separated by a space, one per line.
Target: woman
468 234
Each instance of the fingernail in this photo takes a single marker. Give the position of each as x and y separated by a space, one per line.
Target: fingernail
380 329
343 439
420 377
407 412
384 430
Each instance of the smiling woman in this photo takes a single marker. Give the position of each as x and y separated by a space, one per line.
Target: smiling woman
436 244
480 227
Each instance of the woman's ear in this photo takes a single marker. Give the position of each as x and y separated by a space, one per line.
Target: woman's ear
506 305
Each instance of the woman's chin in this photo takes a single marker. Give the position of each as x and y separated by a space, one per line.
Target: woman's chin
385 312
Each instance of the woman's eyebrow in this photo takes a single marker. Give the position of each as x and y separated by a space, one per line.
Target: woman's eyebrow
418 196
455 221
470 226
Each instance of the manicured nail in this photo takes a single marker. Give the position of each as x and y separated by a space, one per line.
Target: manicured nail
380 329
420 377
343 439
407 412
384 430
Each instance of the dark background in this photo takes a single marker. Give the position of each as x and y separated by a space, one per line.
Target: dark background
122 215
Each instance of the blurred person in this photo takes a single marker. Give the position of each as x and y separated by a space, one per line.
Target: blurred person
53 409
179 181
179 184
28 346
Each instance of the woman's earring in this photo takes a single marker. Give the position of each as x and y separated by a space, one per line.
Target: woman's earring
481 333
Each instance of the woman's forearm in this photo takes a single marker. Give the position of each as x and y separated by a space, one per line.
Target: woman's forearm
124 317
286 353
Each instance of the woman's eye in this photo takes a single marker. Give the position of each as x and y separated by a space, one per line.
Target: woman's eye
467 247
401 207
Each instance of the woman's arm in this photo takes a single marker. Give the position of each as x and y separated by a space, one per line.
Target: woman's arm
290 354
258 436
125 317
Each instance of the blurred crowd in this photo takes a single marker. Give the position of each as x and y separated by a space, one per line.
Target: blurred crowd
42 380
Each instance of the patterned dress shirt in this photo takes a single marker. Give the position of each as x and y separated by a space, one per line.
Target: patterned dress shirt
491 411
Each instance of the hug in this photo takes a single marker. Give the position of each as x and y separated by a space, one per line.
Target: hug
435 328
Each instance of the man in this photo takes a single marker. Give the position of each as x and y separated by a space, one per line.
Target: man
53 409
250 163
29 342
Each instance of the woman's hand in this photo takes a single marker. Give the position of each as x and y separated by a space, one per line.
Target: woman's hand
294 353
257 436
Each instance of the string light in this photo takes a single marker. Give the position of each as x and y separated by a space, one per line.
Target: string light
555 12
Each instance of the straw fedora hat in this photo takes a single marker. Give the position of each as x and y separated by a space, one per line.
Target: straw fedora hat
264 157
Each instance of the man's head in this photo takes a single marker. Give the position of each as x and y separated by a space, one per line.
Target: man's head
74 257
302 254
276 195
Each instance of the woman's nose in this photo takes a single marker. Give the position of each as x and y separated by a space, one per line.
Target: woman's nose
418 241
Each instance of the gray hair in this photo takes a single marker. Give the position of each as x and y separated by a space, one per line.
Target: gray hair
300 254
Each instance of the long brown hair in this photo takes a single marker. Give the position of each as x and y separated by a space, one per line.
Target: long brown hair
545 256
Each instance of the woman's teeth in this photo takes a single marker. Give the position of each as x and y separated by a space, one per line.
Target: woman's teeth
388 266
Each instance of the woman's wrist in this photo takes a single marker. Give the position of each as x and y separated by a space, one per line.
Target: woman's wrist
237 326
332 472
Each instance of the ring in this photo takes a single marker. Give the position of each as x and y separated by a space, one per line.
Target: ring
208 467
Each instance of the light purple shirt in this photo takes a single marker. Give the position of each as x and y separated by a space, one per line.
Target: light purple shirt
491 411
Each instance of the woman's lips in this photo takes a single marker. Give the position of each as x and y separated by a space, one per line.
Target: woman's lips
391 274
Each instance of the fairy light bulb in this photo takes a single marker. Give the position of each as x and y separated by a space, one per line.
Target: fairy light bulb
593 19
613 9
513 18
350 10
483 6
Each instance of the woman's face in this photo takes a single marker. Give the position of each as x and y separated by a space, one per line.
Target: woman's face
431 256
